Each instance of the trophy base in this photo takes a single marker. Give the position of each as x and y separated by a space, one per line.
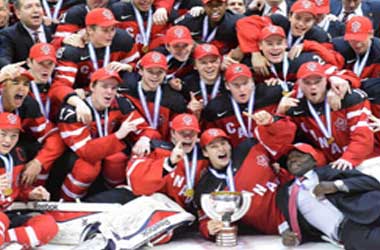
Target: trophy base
227 237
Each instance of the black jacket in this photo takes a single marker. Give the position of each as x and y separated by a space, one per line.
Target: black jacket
16 43
361 204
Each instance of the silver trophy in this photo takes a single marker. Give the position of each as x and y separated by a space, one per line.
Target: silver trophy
227 207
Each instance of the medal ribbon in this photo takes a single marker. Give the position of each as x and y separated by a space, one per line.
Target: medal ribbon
45 110
214 92
171 75
57 8
326 130
145 33
205 36
290 40
94 60
190 173
101 132
251 105
285 69
229 177
360 64
157 100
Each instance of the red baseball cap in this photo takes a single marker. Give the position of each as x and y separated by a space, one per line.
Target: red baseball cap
23 73
104 74
205 49
154 59
358 28
207 1
211 134
272 30
235 70
10 121
185 122
304 6
43 51
317 155
178 34
322 6
26 73
310 69
101 17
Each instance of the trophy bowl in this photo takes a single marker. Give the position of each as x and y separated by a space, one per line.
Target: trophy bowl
227 207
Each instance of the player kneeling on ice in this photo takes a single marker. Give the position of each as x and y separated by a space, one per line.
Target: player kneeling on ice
26 230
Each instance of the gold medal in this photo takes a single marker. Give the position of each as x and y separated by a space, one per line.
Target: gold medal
145 49
8 191
285 93
330 140
189 193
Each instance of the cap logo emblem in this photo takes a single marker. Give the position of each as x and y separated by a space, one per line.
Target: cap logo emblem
108 71
213 132
319 2
306 4
12 119
238 69
45 49
206 47
178 33
356 26
312 66
107 14
156 58
187 120
272 29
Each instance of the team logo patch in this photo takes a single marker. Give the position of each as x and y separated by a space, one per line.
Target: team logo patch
156 58
12 119
272 29
312 66
206 47
319 2
187 120
84 69
306 4
45 49
213 132
109 71
262 160
107 14
356 26
178 32
341 124
60 52
238 69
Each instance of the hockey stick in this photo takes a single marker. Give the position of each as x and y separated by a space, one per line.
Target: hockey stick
63 206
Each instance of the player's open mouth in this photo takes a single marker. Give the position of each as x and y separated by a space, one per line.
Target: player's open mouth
299 30
242 96
275 53
6 146
36 17
215 14
19 97
222 157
